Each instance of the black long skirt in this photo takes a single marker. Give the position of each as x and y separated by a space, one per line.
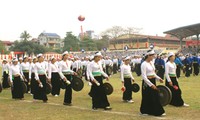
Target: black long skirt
68 91
107 72
55 82
5 83
26 75
86 77
176 94
150 100
114 68
75 69
187 71
127 94
196 68
138 69
40 93
17 89
161 71
99 98
33 83
178 71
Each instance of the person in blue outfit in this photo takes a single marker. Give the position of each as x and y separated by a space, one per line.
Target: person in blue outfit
179 65
187 63
161 67
195 65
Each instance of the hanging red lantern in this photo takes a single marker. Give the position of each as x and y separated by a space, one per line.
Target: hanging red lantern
81 18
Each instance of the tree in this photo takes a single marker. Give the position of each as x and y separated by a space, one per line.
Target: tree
117 31
28 47
132 30
25 35
102 43
71 42
114 32
88 44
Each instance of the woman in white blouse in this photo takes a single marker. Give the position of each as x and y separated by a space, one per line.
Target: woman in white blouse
16 80
150 98
53 75
24 67
5 70
99 98
32 75
41 78
66 75
172 81
127 78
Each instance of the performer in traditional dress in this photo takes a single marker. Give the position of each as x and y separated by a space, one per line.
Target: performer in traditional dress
172 81
20 60
161 67
32 75
25 72
127 78
109 65
138 65
188 68
66 75
150 97
195 65
41 78
99 98
54 76
5 70
88 72
115 65
179 65
16 80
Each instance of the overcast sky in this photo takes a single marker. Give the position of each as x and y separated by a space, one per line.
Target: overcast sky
60 16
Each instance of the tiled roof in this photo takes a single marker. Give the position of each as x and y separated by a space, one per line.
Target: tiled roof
7 42
50 34
167 37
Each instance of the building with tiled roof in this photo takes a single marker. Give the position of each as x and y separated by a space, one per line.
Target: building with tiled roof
136 41
51 40
7 44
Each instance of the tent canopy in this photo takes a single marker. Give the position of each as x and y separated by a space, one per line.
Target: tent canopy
186 31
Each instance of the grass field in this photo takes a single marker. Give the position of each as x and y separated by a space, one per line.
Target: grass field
81 110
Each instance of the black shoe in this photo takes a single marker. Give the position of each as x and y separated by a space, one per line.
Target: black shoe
68 104
44 101
108 108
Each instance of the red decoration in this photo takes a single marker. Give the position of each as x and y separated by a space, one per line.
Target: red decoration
123 89
175 87
81 18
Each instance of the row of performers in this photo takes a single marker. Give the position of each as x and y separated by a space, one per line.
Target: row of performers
150 98
77 65
189 64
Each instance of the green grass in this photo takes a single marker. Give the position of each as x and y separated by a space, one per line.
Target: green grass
81 110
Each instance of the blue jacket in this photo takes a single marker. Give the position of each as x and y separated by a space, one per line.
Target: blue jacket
178 61
157 61
162 62
195 59
187 61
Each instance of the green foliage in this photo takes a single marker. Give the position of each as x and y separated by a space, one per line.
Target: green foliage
28 46
71 42
102 43
88 44
25 35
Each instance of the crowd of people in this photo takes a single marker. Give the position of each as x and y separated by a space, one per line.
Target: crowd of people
36 72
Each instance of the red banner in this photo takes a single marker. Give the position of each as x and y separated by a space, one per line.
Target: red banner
192 43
